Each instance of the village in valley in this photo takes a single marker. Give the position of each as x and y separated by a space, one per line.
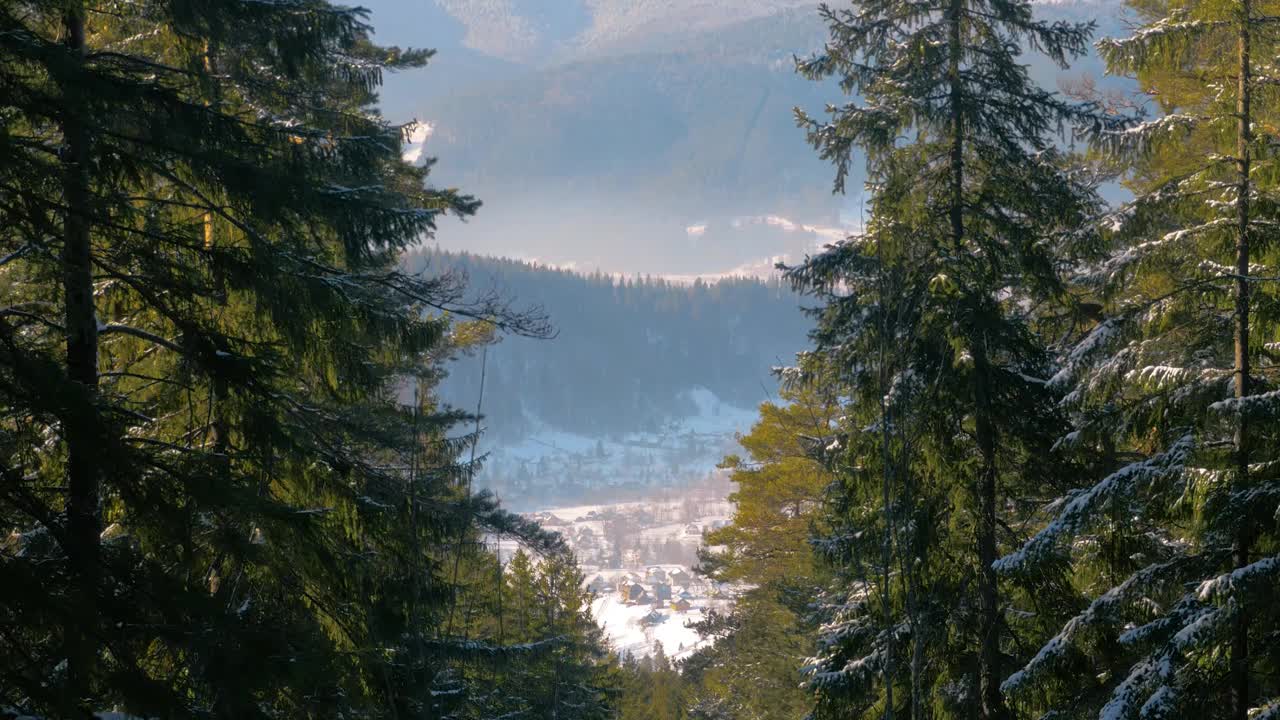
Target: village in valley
655 497
639 560
547 467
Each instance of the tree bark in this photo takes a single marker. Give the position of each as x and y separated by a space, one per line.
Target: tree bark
1239 666
81 334
886 490
991 701
957 125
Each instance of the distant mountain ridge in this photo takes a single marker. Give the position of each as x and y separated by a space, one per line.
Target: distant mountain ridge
644 386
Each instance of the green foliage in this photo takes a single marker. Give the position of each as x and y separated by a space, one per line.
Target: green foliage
1171 389
779 487
234 491
652 689
753 666
540 611
932 320
223 502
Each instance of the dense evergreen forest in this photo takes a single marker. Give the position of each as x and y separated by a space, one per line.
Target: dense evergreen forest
626 350
217 500
1024 466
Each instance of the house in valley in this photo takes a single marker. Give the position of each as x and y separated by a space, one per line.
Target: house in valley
662 592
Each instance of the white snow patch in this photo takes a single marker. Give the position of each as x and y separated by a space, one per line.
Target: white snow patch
417 142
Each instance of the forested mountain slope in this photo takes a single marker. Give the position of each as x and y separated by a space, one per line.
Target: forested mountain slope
627 351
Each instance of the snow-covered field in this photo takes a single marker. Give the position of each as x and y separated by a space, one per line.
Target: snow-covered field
644 502
635 630
637 558
551 467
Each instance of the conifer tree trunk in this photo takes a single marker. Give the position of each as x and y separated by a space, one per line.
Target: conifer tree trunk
991 702
957 128
988 590
219 430
1240 630
911 571
917 667
886 500
81 332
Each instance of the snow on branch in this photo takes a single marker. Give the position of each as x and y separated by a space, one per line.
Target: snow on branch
1161 377
1171 35
1124 700
106 329
856 670
1141 251
1241 580
1178 235
1143 136
1100 610
1097 339
1248 405
1203 625
1077 513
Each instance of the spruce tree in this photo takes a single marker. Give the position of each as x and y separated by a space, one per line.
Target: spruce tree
932 313
556 664
1173 388
215 492
579 683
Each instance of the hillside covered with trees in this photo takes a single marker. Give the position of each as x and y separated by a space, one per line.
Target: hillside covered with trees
626 351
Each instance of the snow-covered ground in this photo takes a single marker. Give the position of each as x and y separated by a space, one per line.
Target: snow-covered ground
638 557
712 419
636 629
635 510
550 467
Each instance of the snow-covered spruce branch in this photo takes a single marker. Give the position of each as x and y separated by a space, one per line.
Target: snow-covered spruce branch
1095 341
1141 137
1105 332
1165 36
1242 580
1250 404
1079 511
1102 609
1136 688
